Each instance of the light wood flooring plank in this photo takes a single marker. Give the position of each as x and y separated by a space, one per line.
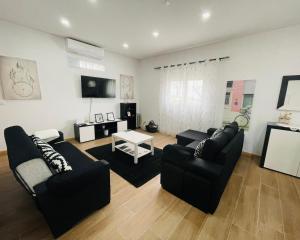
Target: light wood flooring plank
253 175
270 209
296 181
102 228
242 166
269 234
149 235
290 203
237 233
217 226
190 226
168 221
246 216
136 226
268 178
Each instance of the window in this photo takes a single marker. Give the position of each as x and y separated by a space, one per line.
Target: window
194 89
248 100
227 98
189 90
229 84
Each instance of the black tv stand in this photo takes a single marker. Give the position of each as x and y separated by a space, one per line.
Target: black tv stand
91 131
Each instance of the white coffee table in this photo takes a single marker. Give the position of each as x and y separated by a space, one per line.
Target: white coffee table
131 147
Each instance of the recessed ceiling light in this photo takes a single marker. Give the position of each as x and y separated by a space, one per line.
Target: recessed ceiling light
65 22
93 1
206 15
125 45
155 34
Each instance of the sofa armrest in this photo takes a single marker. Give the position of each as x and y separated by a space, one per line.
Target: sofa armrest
211 131
177 154
69 183
62 209
59 139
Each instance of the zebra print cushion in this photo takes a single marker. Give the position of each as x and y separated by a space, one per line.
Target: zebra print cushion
53 158
216 133
199 149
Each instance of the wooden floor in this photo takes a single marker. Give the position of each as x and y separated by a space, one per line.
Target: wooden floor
257 204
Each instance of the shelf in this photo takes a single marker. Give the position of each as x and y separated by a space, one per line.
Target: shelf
129 149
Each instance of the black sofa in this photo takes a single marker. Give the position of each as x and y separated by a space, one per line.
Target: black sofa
65 198
201 181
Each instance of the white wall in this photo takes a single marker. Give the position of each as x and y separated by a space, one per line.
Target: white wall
61 102
265 57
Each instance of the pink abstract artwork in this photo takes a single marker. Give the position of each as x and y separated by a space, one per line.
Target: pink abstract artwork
237 95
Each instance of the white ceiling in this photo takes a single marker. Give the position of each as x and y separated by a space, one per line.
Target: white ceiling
110 23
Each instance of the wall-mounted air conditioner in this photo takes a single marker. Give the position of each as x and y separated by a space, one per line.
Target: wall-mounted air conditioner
84 49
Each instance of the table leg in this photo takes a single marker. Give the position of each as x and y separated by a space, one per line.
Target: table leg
113 144
152 148
135 154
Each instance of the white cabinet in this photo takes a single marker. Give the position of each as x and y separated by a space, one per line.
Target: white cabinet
86 133
122 126
282 151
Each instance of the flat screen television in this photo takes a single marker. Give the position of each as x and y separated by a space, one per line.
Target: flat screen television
93 87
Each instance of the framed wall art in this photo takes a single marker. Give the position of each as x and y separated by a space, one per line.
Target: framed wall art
19 79
126 87
239 102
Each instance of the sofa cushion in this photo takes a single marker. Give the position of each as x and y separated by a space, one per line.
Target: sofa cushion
53 158
211 131
234 126
203 168
177 154
47 135
33 172
213 146
230 132
66 184
193 144
40 144
199 149
73 155
217 132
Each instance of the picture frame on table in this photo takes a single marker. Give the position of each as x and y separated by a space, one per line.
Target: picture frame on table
99 118
110 116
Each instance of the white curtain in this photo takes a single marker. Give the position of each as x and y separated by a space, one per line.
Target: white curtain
190 97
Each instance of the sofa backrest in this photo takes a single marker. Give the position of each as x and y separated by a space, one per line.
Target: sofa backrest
213 146
20 148
232 151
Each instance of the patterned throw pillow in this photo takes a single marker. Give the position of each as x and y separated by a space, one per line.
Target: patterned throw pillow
216 133
53 158
199 149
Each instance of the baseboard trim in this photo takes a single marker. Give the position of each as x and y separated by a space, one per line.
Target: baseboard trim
69 139
250 155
